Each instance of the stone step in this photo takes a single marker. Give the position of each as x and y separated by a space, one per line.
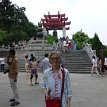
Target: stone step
83 69
77 67
77 61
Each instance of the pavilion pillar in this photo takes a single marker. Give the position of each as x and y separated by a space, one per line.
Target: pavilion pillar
44 32
64 32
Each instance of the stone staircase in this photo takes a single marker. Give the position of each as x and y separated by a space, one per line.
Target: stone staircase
77 62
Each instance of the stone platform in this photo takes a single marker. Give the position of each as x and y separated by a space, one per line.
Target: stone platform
87 91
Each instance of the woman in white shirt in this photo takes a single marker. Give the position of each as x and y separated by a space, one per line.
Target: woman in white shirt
27 65
2 62
94 66
105 65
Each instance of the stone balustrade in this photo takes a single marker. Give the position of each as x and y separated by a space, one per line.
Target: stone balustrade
89 50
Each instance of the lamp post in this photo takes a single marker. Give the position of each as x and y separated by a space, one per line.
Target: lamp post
102 59
44 35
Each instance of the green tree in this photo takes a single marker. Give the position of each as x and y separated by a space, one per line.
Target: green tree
16 36
31 30
79 38
14 21
3 35
6 14
96 44
52 39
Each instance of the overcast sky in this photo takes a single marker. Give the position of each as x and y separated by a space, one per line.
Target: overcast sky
88 15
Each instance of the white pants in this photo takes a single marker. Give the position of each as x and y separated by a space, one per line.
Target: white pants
94 68
15 89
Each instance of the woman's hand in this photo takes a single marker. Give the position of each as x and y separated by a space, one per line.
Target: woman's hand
46 93
47 96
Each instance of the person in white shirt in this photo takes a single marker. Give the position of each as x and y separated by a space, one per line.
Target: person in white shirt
45 64
105 65
2 63
27 64
94 66
64 45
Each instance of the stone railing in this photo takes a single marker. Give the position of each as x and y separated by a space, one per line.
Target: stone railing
89 50
38 41
4 47
38 48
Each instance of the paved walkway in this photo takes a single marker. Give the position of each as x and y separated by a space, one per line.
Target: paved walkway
88 91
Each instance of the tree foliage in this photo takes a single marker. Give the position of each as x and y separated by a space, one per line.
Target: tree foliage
96 43
52 39
3 35
79 38
14 21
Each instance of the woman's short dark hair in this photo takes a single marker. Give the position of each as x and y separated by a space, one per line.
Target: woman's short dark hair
31 55
12 51
26 56
94 57
46 55
34 58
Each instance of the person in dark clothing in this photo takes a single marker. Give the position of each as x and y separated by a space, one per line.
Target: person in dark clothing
31 57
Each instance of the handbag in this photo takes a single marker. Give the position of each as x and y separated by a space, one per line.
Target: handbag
56 102
53 103
6 71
